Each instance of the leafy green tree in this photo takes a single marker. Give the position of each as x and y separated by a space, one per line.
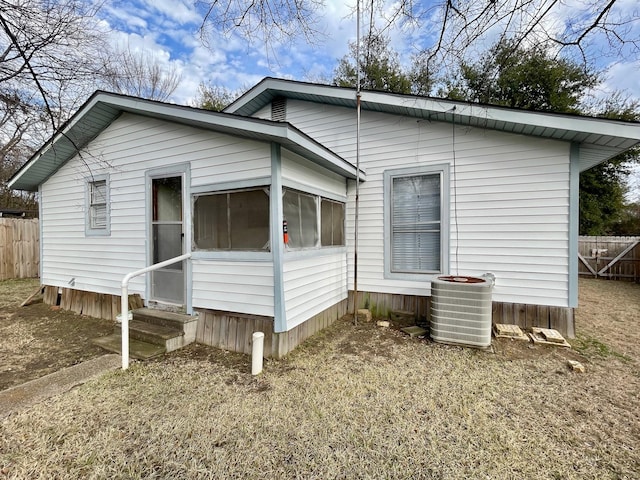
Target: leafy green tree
603 208
379 66
602 191
629 224
214 97
535 79
531 78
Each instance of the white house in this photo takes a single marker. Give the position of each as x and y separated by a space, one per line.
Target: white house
127 183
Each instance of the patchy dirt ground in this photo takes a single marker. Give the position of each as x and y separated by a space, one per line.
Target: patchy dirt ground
37 340
356 401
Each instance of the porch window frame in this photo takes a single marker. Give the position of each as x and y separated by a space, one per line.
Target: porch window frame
344 216
442 170
229 253
90 229
318 199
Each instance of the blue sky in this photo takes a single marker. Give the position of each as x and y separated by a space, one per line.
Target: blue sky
167 29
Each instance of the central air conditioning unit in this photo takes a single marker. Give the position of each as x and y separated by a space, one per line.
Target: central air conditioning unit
461 310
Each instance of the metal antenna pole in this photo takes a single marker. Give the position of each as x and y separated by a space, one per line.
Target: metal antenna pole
357 205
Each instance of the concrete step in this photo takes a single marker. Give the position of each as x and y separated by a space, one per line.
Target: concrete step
151 333
137 349
161 317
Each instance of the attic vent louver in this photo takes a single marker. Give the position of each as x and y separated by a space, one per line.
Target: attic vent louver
279 109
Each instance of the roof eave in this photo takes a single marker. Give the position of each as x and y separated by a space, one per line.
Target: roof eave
573 128
114 104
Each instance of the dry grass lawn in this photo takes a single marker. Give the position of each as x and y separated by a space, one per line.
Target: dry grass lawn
38 340
356 402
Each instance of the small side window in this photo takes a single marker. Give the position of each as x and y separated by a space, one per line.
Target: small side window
98 221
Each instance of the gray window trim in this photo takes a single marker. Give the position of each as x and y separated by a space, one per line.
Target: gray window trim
233 185
318 197
443 170
293 185
88 230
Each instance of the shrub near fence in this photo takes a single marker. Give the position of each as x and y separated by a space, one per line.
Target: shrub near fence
19 248
616 258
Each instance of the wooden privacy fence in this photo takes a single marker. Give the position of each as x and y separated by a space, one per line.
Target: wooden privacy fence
19 248
616 258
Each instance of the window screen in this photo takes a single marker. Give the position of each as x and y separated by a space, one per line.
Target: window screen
98 205
331 222
300 211
416 223
232 221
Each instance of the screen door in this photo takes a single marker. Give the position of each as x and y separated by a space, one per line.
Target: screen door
167 284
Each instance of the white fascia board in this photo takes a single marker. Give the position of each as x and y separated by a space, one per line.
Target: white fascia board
276 131
243 126
601 126
589 125
55 138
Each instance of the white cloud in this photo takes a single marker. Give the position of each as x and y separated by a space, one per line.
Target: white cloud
168 29
174 10
622 76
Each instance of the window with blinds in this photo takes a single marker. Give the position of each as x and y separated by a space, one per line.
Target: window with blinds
415 224
416 221
98 207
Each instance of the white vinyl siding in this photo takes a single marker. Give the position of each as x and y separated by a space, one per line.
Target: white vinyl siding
127 149
234 286
303 175
312 284
509 199
313 279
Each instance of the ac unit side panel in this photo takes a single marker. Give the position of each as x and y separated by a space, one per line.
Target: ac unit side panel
461 313
455 317
470 305
464 340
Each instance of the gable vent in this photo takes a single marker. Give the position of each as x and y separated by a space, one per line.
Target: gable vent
279 109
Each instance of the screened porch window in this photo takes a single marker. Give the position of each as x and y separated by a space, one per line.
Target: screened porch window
300 211
416 209
236 220
331 222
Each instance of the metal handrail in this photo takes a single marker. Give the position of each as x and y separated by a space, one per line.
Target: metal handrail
124 301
